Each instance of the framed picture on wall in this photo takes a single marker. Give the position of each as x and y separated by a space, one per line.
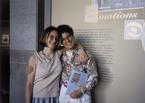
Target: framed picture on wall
120 4
4 40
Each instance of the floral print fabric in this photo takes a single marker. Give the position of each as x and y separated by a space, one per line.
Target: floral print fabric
70 61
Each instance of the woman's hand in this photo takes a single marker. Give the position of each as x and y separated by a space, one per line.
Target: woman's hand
76 94
83 56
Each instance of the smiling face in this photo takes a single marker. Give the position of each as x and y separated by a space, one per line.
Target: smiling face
52 39
68 40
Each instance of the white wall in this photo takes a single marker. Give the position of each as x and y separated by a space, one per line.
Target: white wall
127 69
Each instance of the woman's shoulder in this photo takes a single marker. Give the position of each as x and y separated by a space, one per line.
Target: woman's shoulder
60 50
32 56
35 55
31 60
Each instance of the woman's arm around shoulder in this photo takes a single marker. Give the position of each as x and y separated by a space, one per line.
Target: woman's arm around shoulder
92 68
82 53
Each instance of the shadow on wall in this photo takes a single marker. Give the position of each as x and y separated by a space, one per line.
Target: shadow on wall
104 79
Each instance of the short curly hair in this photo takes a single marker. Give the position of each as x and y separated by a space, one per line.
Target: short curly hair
65 29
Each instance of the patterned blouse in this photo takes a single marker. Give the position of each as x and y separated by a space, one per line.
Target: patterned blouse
70 61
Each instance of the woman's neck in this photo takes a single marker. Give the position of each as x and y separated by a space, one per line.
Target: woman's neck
48 51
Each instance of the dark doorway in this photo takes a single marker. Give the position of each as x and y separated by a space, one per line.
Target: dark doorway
4 51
